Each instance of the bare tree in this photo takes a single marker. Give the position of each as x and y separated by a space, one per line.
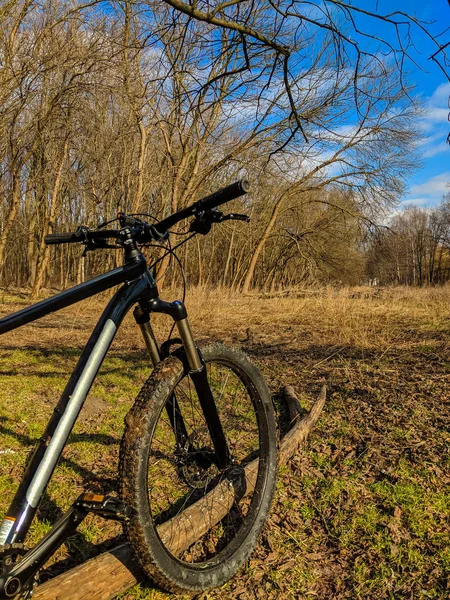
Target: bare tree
278 28
147 106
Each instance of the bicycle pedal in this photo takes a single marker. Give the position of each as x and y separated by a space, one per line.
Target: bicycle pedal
107 507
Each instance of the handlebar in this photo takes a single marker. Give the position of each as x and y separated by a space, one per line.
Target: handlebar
226 194
61 238
82 234
150 232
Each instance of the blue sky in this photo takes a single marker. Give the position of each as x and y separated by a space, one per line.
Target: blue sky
429 184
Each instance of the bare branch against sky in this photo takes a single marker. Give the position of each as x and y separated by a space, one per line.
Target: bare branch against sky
277 28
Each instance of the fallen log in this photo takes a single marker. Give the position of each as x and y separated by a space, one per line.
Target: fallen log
113 572
303 425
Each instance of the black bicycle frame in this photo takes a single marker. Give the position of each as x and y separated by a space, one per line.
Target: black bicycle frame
47 453
139 287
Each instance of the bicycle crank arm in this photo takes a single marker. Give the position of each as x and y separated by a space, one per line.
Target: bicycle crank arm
35 558
105 506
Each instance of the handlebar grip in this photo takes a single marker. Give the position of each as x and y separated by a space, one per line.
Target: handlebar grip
61 238
239 188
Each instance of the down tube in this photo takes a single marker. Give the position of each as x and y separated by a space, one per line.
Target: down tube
46 455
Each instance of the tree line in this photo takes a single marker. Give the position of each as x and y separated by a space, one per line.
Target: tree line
414 249
144 108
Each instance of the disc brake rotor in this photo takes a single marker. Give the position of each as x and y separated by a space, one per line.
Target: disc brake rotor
197 464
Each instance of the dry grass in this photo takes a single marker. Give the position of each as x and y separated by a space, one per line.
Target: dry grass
364 512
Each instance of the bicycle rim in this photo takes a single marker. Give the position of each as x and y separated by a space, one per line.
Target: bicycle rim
182 472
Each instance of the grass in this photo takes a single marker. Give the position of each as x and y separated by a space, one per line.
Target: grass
362 512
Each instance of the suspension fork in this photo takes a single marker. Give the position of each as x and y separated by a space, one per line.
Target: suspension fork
199 377
142 318
197 373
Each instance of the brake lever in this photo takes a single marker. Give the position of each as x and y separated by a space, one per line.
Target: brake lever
236 217
203 221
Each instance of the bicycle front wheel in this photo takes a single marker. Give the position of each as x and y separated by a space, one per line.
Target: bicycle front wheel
195 523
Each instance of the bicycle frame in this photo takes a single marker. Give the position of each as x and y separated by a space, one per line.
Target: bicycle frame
139 288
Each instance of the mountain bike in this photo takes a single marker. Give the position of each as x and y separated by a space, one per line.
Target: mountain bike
197 463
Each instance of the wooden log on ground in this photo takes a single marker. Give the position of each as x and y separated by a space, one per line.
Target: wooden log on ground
303 425
104 576
113 572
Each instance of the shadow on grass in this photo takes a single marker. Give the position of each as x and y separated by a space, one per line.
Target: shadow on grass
312 352
135 362
79 548
50 511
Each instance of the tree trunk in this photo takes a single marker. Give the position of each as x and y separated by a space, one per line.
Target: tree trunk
143 146
81 269
48 227
15 199
211 262
227 263
260 246
200 270
31 249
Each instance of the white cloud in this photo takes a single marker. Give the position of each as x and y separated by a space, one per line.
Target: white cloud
434 186
436 149
434 123
430 138
415 201
441 94
437 114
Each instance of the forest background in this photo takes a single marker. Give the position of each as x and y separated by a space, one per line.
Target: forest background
146 106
